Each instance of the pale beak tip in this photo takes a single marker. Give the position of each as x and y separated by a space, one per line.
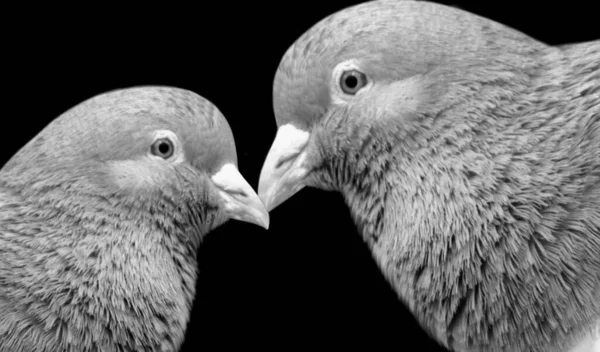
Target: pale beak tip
240 200
265 224
263 220
257 212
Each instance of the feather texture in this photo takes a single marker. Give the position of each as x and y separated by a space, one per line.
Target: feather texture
98 235
469 163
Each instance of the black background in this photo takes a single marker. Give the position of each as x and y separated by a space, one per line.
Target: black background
308 281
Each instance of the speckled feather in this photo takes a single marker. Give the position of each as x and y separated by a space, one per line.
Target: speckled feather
91 264
470 167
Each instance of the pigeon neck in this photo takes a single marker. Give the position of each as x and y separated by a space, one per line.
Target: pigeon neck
124 263
365 193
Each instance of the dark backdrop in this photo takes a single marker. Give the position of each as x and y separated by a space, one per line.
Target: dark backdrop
309 280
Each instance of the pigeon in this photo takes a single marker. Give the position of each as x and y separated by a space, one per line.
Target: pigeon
468 154
101 217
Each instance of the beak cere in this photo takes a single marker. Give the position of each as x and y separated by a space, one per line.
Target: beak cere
239 199
285 166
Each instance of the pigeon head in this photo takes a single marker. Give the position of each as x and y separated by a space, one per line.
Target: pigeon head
146 146
338 85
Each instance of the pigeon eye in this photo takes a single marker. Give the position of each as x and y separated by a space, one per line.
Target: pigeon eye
352 81
162 147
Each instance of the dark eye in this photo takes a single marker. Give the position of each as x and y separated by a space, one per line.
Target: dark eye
162 147
352 81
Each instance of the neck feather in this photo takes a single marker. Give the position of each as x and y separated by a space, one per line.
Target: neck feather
105 271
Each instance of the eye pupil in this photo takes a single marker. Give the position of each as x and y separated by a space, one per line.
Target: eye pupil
163 148
351 82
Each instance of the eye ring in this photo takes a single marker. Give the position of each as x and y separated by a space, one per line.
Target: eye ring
162 147
352 81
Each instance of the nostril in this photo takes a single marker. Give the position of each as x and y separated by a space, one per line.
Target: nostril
240 192
284 160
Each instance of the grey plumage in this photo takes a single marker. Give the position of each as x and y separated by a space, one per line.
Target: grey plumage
98 236
470 163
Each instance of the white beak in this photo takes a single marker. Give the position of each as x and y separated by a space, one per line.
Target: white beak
285 166
239 199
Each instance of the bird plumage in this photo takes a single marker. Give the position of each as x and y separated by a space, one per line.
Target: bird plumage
469 163
98 236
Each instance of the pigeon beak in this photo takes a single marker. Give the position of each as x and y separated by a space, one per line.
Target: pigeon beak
285 166
240 200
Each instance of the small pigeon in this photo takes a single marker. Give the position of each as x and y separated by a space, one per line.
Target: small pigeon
101 217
